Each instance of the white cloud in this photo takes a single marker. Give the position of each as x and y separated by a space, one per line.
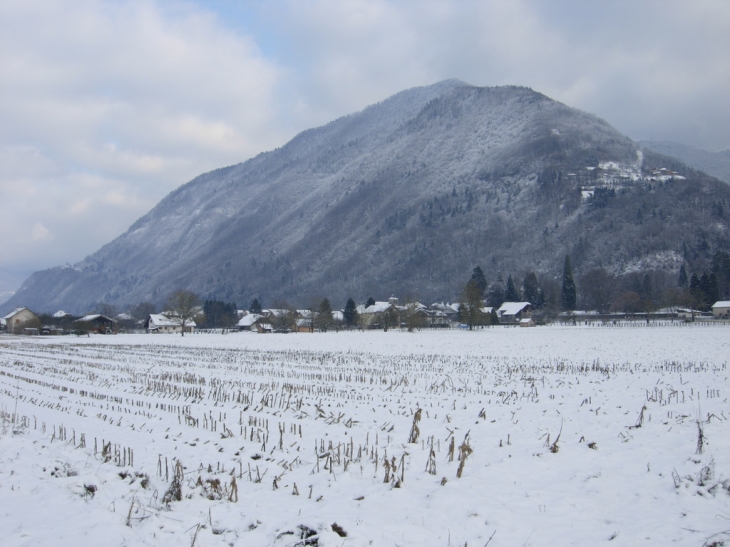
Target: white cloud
41 233
106 106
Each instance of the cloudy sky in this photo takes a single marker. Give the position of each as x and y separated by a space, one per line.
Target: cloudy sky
108 105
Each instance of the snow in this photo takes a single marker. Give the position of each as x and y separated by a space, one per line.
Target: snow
162 320
200 399
248 320
91 317
378 307
512 308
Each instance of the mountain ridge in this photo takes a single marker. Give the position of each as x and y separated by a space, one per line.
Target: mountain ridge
405 196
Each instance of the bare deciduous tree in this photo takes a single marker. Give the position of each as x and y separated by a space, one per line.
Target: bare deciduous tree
184 306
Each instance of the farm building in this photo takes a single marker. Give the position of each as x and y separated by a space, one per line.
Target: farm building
20 318
513 312
98 323
158 323
721 309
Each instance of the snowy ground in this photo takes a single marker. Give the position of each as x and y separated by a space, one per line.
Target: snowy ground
545 421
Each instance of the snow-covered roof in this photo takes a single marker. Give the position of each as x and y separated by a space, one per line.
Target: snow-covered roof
59 314
378 307
89 317
275 312
15 312
93 316
486 309
338 316
512 308
161 320
248 320
124 317
721 304
526 320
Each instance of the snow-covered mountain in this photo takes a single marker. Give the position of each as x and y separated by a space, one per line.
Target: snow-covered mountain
406 197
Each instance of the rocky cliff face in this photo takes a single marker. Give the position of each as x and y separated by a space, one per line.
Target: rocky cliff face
407 197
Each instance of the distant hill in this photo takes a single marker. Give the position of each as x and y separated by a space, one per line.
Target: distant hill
716 164
406 197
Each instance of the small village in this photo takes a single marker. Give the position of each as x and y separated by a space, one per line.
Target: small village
374 315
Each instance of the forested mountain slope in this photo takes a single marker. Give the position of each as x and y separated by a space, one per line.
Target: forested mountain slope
406 197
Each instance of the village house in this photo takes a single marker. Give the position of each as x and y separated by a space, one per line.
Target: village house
158 323
373 316
98 323
20 318
514 312
721 309
263 327
527 322
248 322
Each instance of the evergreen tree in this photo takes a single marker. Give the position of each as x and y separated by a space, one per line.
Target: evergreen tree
493 317
569 293
540 299
255 306
682 282
530 288
495 294
721 269
511 294
478 277
350 313
694 282
697 296
370 302
220 314
713 290
705 286
646 289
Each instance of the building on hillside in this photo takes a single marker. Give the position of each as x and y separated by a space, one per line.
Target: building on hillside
514 312
20 318
158 323
721 309
98 323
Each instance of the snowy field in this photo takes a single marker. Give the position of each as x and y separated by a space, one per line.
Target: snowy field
560 435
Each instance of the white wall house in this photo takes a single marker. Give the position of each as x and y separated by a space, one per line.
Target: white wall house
158 323
721 309
15 320
513 312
